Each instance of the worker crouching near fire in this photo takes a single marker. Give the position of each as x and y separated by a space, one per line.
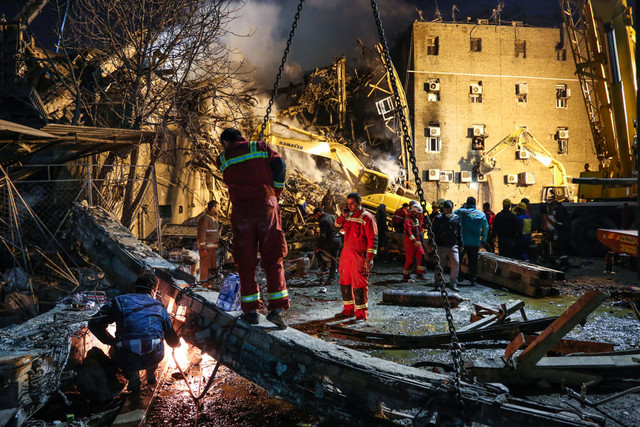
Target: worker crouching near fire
255 175
356 259
413 243
142 323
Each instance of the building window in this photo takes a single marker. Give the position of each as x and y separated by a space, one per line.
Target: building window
432 132
562 135
522 92
475 44
477 143
432 45
433 144
432 87
562 96
164 211
520 48
561 54
475 92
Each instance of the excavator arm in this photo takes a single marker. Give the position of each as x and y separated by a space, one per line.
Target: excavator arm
521 139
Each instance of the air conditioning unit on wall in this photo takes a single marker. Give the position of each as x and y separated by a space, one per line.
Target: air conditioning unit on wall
478 130
465 176
434 86
526 178
434 131
481 178
511 179
563 134
476 89
522 154
434 174
522 89
446 176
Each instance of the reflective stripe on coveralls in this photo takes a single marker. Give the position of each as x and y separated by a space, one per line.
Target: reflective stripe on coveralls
253 154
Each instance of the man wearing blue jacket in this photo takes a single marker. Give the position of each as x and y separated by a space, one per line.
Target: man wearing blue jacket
142 323
475 230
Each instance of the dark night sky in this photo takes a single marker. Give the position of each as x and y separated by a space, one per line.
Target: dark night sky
328 28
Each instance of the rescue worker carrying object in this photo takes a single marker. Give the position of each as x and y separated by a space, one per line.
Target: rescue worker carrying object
413 244
208 238
255 175
356 259
142 323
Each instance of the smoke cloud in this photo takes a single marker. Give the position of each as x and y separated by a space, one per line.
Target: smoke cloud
327 29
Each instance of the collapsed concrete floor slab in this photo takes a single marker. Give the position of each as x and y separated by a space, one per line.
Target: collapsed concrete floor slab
327 379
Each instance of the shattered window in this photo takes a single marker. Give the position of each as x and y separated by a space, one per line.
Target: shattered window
475 44
520 48
432 45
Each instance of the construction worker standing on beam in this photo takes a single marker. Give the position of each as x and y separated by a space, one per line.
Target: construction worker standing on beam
255 175
356 259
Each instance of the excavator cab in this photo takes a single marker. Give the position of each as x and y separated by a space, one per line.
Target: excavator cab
560 193
372 182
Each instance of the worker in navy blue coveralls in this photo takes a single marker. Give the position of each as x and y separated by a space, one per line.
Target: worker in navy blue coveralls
142 323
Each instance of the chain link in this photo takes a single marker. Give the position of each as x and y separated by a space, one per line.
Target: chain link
280 70
456 348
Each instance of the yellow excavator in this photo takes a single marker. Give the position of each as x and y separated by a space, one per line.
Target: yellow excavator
374 187
521 139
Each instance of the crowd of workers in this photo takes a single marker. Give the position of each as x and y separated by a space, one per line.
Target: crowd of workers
255 177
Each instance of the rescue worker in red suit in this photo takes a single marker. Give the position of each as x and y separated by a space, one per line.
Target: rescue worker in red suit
208 238
255 175
397 220
356 259
413 243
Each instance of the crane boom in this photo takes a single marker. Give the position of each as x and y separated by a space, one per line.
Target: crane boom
603 42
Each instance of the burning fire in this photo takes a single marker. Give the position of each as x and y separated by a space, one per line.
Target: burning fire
181 354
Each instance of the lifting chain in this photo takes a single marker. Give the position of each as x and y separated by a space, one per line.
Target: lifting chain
456 349
280 70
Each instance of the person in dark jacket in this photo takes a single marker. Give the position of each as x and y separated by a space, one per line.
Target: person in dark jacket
505 227
142 323
524 231
328 243
448 235
490 245
383 228
475 230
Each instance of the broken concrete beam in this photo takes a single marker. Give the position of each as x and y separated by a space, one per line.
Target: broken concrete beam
320 376
419 298
525 278
558 329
